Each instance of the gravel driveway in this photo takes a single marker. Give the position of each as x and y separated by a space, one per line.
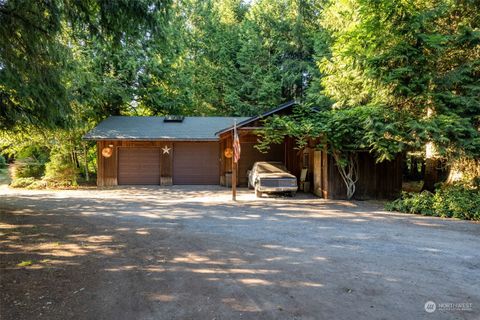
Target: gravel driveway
191 253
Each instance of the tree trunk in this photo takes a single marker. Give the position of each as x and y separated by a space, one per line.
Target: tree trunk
87 178
349 173
413 168
431 174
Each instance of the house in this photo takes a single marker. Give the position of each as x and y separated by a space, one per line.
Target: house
195 151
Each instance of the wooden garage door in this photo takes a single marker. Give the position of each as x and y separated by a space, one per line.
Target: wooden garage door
139 166
196 163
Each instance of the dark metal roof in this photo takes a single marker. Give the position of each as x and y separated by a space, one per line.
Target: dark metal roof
255 118
154 128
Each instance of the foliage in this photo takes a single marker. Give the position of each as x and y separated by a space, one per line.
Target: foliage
61 170
3 162
452 201
466 171
236 58
22 182
30 162
36 148
25 263
416 57
457 201
28 168
421 203
275 59
38 39
33 151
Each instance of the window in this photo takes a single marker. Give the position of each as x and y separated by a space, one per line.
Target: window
306 159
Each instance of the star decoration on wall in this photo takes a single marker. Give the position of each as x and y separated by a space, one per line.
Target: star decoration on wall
166 150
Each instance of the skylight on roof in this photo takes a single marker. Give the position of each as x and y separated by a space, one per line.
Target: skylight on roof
173 119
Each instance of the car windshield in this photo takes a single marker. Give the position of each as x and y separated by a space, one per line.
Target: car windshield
271 167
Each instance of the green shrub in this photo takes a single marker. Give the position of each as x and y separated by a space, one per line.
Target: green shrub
22 182
457 201
37 184
60 171
35 152
3 162
421 203
30 162
28 167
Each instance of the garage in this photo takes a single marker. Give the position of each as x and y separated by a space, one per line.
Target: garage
250 155
139 166
196 163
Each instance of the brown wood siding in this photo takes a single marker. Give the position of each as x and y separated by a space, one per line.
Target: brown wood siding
196 163
292 157
138 166
376 180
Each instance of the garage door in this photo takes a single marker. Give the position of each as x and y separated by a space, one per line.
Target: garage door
139 166
196 163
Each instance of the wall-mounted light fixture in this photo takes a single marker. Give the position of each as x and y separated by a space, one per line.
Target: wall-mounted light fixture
107 151
228 153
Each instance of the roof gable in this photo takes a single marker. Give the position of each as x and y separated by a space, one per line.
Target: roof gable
281 108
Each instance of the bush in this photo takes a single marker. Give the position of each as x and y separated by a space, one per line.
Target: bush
3 162
35 152
30 162
457 201
22 182
410 202
37 184
28 168
60 171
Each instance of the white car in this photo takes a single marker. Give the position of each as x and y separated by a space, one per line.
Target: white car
271 177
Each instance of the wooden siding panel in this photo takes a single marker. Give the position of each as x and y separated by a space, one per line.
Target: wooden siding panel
166 166
100 164
317 169
376 180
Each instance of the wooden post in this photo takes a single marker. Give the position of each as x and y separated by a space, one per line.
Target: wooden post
234 181
235 159
234 170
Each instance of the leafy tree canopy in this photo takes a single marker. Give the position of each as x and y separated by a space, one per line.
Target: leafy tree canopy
38 60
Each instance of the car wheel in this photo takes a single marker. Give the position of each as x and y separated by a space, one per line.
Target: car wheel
258 193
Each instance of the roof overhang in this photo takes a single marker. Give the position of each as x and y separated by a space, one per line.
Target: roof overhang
150 139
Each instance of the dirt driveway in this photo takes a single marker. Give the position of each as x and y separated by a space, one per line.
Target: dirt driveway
184 253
